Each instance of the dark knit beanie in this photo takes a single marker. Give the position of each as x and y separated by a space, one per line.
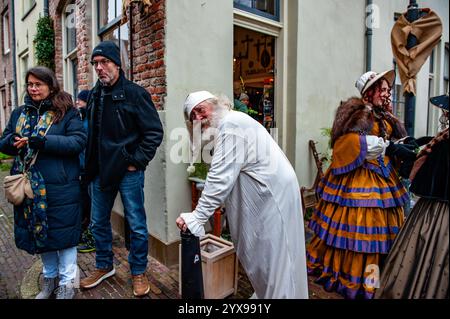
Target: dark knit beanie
83 95
108 49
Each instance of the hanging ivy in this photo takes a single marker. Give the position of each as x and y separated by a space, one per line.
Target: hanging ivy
44 42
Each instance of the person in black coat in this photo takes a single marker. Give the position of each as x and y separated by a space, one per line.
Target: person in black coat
49 127
124 132
417 267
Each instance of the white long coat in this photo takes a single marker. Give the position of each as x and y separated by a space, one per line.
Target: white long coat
253 177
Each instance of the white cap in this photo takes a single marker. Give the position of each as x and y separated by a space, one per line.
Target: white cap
195 99
369 78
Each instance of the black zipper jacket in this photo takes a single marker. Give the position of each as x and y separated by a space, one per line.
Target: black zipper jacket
128 131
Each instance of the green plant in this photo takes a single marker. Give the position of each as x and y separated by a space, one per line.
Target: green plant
4 156
5 167
201 170
44 42
308 213
326 131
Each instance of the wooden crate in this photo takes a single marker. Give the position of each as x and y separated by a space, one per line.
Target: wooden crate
219 267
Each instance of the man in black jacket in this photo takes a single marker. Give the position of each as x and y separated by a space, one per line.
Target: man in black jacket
124 133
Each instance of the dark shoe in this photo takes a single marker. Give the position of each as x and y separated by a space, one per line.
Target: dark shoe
85 248
87 242
65 292
141 286
48 287
96 277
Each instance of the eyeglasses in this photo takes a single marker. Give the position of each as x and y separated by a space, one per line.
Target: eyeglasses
101 62
34 85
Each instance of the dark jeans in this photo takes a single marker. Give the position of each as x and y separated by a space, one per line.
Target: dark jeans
131 190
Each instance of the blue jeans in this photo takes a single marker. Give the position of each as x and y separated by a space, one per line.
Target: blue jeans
131 190
62 263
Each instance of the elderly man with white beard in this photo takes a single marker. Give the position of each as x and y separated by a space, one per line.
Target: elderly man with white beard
251 175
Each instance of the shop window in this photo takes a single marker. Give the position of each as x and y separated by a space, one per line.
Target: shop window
253 73
110 28
266 8
5 32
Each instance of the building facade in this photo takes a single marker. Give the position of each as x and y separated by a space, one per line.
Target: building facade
6 63
295 59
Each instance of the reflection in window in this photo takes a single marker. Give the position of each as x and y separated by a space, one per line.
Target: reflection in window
70 50
266 8
120 35
70 26
109 11
5 23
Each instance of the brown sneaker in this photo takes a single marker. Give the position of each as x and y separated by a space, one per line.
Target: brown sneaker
96 277
141 286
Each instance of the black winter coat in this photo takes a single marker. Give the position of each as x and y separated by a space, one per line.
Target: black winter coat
58 162
130 132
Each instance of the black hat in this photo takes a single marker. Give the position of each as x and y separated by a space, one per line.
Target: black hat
440 101
109 50
83 95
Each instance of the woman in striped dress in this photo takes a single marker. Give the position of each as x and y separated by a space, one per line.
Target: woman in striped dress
361 196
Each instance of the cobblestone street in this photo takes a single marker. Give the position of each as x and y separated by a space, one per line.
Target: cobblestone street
21 273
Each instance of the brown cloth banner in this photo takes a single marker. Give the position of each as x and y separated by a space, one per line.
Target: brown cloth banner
428 31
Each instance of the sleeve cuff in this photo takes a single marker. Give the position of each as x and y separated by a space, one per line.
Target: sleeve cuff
194 226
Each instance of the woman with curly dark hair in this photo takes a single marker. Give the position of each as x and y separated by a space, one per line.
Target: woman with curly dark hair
361 197
46 136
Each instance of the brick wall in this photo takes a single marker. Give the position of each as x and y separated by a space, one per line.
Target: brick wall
148 46
149 69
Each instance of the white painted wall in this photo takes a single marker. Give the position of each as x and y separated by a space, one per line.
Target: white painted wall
382 57
330 57
199 56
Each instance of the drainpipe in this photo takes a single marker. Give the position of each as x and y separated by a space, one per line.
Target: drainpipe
13 51
410 99
369 34
46 8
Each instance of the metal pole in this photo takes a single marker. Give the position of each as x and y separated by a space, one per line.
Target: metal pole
410 99
46 12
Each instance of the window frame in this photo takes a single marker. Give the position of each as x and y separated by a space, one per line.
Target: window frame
275 17
70 74
6 32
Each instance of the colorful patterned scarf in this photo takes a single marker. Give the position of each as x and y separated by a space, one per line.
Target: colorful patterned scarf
34 209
